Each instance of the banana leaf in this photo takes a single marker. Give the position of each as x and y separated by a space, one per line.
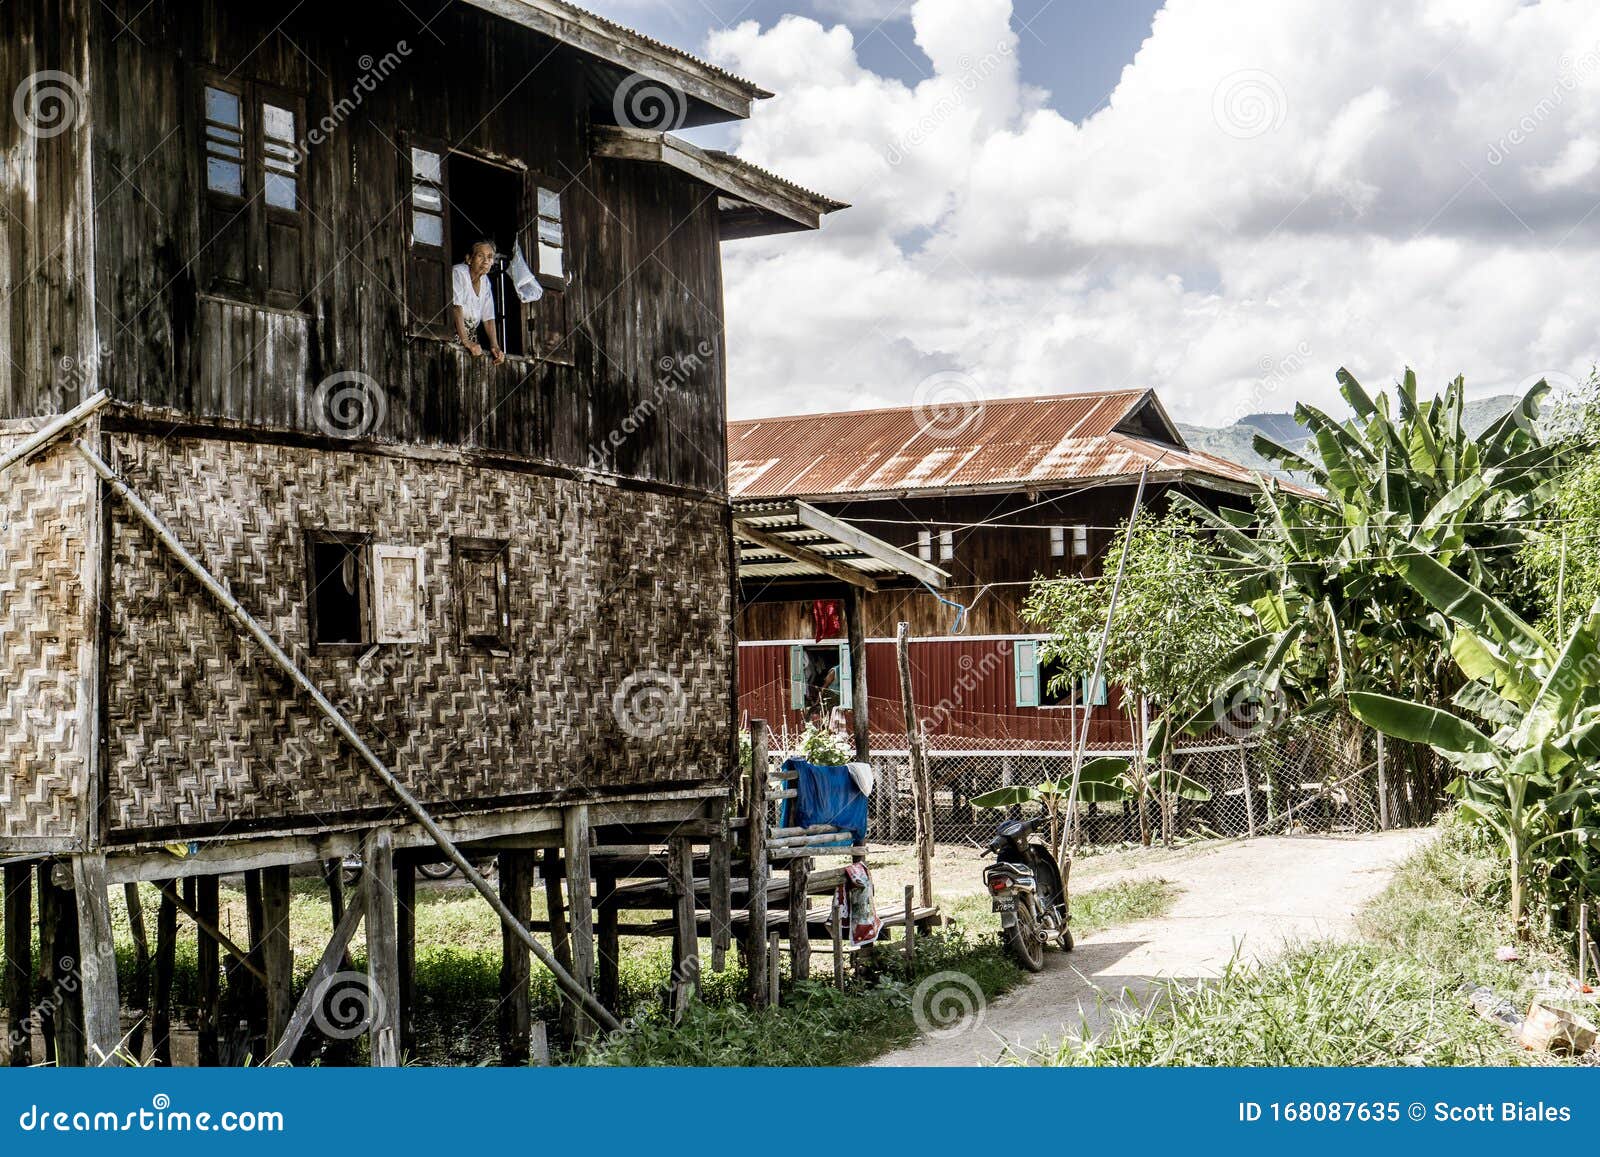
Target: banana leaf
1417 723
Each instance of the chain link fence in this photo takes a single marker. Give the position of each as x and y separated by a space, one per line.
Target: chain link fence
1321 775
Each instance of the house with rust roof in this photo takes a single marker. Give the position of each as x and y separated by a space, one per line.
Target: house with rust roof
987 495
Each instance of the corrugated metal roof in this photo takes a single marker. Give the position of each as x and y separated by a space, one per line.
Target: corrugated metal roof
980 444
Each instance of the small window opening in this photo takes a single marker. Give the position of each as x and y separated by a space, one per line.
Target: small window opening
925 545
1055 691
427 199
1058 541
552 246
947 545
338 590
486 204
1080 541
280 155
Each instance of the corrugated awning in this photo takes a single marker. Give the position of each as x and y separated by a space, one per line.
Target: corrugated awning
780 540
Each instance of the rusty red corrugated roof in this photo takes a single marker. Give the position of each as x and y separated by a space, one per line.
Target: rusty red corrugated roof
967 443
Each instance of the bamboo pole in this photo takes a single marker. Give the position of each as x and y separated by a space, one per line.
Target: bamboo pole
921 793
564 979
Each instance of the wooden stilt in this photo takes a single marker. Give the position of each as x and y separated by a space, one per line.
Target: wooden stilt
405 893
774 961
316 990
560 943
515 869
756 845
161 1001
836 927
58 958
580 903
921 789
138 996
911 929
855 626
19 962
97 963
277 954
608 985
720 881
250 993
685 941
799 905
383 965
208 963
539 1045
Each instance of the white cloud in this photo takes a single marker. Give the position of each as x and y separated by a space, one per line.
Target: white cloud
1272 191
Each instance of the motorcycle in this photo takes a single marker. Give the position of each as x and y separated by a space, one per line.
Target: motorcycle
1029 891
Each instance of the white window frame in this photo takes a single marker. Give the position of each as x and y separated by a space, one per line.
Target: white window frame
947 545
925 545
1080 541
1058 542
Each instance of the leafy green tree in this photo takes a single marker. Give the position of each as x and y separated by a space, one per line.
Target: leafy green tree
1563 561
1173 623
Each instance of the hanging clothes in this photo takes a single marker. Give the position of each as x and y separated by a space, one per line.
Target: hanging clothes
827 619
856 900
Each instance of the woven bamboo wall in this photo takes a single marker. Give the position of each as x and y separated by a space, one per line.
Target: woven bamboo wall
615 596
45 642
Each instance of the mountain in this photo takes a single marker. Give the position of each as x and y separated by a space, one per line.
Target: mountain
1235 442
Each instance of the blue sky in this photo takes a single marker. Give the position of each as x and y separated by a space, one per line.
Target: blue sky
1224 200
1075 49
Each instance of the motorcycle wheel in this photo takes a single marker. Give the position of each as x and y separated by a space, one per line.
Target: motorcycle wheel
1024 940
1066 940
440 871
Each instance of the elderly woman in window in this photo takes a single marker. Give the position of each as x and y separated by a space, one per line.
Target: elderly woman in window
472 301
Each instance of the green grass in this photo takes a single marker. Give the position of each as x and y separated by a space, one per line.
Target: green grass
816 1024
1394 999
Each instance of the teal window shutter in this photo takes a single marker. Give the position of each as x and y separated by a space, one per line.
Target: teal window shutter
1094 696
846 680
1025 659
797 677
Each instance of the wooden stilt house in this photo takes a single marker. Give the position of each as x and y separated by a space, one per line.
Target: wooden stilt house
288 571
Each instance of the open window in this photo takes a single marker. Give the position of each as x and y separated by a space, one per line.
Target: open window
253 199
482 579
455 199
819 677
338 579
1058 687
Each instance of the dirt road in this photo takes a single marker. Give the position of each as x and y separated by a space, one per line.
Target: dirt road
1251 896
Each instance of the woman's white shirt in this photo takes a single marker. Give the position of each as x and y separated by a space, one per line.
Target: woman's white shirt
475 304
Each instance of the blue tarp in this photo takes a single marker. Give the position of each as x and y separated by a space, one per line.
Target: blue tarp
827 795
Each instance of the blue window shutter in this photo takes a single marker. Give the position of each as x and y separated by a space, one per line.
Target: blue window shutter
797 677
1025 660
1094 696
846 679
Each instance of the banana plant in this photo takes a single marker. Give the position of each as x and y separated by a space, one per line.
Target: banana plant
1107 779
1531 770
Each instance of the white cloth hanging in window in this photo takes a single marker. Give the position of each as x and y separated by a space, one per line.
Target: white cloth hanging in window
527 285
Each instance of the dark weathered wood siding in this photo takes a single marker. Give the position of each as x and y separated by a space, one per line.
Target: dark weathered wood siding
645 273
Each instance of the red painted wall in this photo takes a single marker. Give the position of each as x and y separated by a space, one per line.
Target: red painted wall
964 689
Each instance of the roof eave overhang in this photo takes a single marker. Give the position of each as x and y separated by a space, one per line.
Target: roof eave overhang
629 50
753 203
1011 486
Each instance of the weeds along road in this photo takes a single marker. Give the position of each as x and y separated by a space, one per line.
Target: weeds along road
1251 896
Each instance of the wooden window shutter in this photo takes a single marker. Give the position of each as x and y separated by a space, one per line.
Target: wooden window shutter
225 157
427 225
1094 691
1025 663
846 680
548 319
280 123
398 594
797 678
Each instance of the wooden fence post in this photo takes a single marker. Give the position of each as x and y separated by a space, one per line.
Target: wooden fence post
859 703
799 932
1383 788
1249 796
922 795
756 844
